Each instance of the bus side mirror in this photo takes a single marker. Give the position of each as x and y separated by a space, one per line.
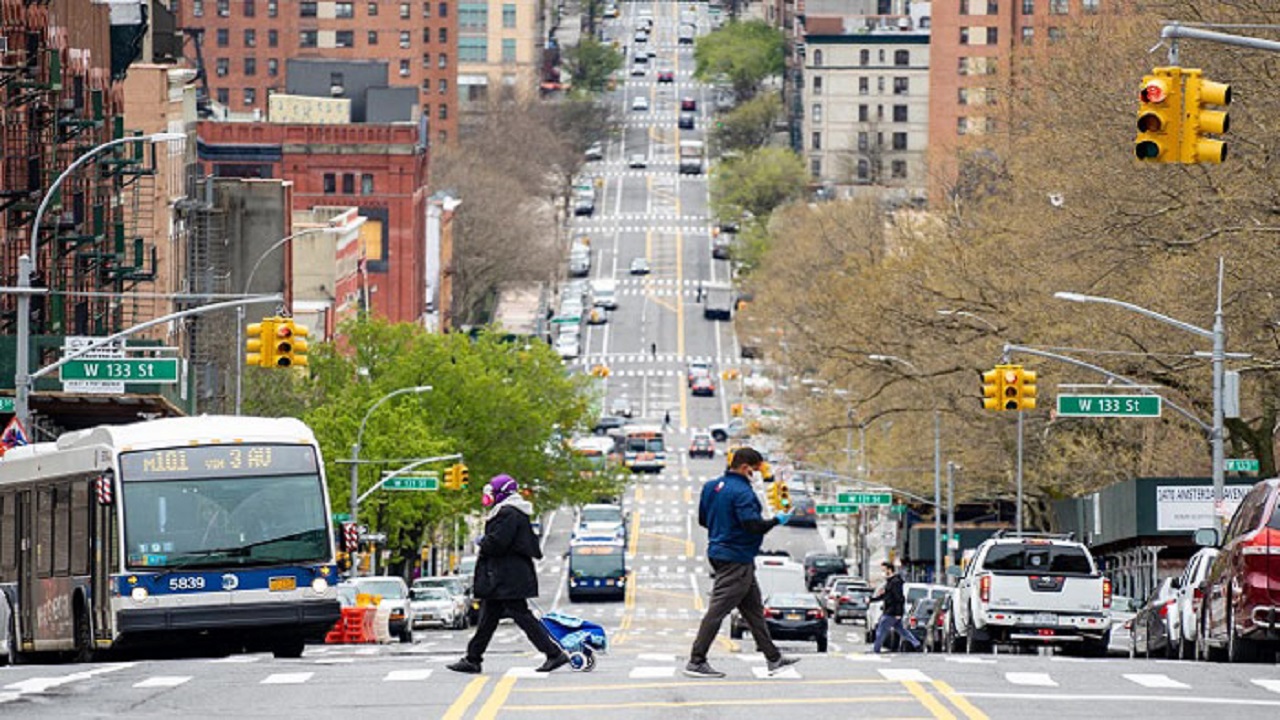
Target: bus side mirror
1206 537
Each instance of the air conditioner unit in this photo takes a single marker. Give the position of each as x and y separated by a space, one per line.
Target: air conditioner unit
336 90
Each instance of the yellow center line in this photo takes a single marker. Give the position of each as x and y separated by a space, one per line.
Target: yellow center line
469 694
959 701
540 688
728 644
928 701
581 707
497 699
684 396
663 593
639 497
668 538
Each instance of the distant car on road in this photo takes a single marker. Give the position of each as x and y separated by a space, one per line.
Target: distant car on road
621 406
702 446
704 386
666 76
796 616
595 152
688 104
686 121
638 160
607 423
640 103
640 266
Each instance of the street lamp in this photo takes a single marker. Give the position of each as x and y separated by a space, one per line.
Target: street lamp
1218 335
893 358
26 268
355 449
974 316
240 310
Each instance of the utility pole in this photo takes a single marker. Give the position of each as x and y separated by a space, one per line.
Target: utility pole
951 509
937 496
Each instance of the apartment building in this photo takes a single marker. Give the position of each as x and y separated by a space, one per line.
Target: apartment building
244 46
499 51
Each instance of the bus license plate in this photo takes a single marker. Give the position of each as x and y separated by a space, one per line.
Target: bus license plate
278 584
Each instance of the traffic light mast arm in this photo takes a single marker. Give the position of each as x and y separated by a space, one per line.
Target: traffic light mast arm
1009 349
400 471
1176 31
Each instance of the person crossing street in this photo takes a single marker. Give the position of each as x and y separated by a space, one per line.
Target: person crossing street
731 512
895 605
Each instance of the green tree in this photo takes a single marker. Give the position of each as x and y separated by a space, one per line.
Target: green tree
743 53
756 183
748 126
590 64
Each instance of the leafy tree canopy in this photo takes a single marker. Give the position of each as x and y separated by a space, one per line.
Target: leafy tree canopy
743 53
748 126
590 64
756 183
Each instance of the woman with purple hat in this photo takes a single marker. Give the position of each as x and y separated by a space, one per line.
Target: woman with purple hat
505 577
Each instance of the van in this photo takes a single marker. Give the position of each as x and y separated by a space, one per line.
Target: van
605 293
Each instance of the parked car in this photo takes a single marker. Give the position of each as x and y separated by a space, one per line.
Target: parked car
457 588
830 592
1119 638
919 619
702 446
1149 628
704 385
435 606
818 566
912 593
933 634
568 347
1240 616
1186 614
394 596
796 616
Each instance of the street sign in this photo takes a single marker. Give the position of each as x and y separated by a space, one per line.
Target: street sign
6 404
865 498
1241 465
151 370
1109 405
839 509
898 509
567 320
342 517
412 481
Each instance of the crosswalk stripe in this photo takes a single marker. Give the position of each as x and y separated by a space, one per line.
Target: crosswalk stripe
407 675
789 673
903 675
1030 678
286 678
1268 683
1154 680
163 681
649 673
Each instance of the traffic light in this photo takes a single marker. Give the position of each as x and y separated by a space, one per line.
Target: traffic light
774 495
451 481
1160 116
1026 389
1017 388
1199 120
991 391
784 496
464 476
288 346
257 344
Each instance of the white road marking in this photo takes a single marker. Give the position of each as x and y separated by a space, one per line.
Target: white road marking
286 678
238 659
1030 678
407 675
526 673
649 673
656 657
1154 680
789 673
970 660
335 660
904 675
163 681
1268 683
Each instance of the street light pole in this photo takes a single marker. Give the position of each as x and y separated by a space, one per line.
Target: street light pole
355 449
937 495
1218 336
951 508
240 310
26 269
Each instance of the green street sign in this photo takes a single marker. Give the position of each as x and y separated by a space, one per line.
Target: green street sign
413 481
1241 465
566 320
1110 405
342 517
839 509
6 404
865 498
153 370
898 509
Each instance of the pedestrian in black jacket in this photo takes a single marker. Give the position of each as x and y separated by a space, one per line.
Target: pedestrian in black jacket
894 607
505 577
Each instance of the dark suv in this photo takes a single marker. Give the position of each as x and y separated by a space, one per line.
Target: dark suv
819 566
1240 615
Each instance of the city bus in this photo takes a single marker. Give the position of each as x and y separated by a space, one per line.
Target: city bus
644 449
597 569
594 452
204 532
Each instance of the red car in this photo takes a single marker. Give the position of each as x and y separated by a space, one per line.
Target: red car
688 104
704 386
702 446
1240 614
666 76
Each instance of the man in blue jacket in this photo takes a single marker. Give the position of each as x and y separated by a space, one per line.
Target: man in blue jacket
730 511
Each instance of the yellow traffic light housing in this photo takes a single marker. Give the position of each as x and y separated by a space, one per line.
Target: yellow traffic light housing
991 391
257 344
462 476
300 333
288 346
784 496
774 495
1160 116
1199 120
1026 390
451 481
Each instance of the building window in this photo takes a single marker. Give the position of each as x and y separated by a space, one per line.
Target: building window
863 142
224 8
817 58
508 51
900 113
404 11
1057 7
816 141
273 67
880 85
864 85
508 16
899 141
373 9
964 7
444 10
306 9
473 16
308 38
962 126
273 8
444 86
443 111
426 61
473 49
373 37
993 7
249 8
962 96
366 184
815 167
197 8
817 112
250 96
964 36
426 36
404 68
344 38
898 169
1028 35
223 96
224 37
442 137
1089 6
993 36
901 57
273 38
1028 7
443 36
864 57
405 40
250 66
442 60
426 10
881 54
222 67
344 10
330 183
250 38
864 170
817 85
348 184
863 113
1056 34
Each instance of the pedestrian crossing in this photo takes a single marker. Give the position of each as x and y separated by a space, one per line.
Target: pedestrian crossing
612 359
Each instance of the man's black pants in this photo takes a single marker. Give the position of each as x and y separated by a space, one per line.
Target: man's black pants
735 587
491 611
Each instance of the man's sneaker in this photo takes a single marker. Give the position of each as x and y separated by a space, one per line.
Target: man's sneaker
465 666
554 662
776 666
702 670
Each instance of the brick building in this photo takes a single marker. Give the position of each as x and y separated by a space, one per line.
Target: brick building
245 45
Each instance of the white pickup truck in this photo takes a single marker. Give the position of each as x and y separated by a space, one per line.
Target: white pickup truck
1032 590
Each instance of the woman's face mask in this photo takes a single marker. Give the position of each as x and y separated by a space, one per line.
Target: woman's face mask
486 498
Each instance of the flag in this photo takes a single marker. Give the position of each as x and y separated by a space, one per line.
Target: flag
13 436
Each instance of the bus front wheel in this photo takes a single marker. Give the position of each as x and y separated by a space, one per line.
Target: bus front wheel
290 649
84 632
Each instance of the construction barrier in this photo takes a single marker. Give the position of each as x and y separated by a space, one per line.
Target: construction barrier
354 627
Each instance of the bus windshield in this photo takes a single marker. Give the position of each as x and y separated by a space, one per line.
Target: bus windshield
213 507
597 562
653 445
